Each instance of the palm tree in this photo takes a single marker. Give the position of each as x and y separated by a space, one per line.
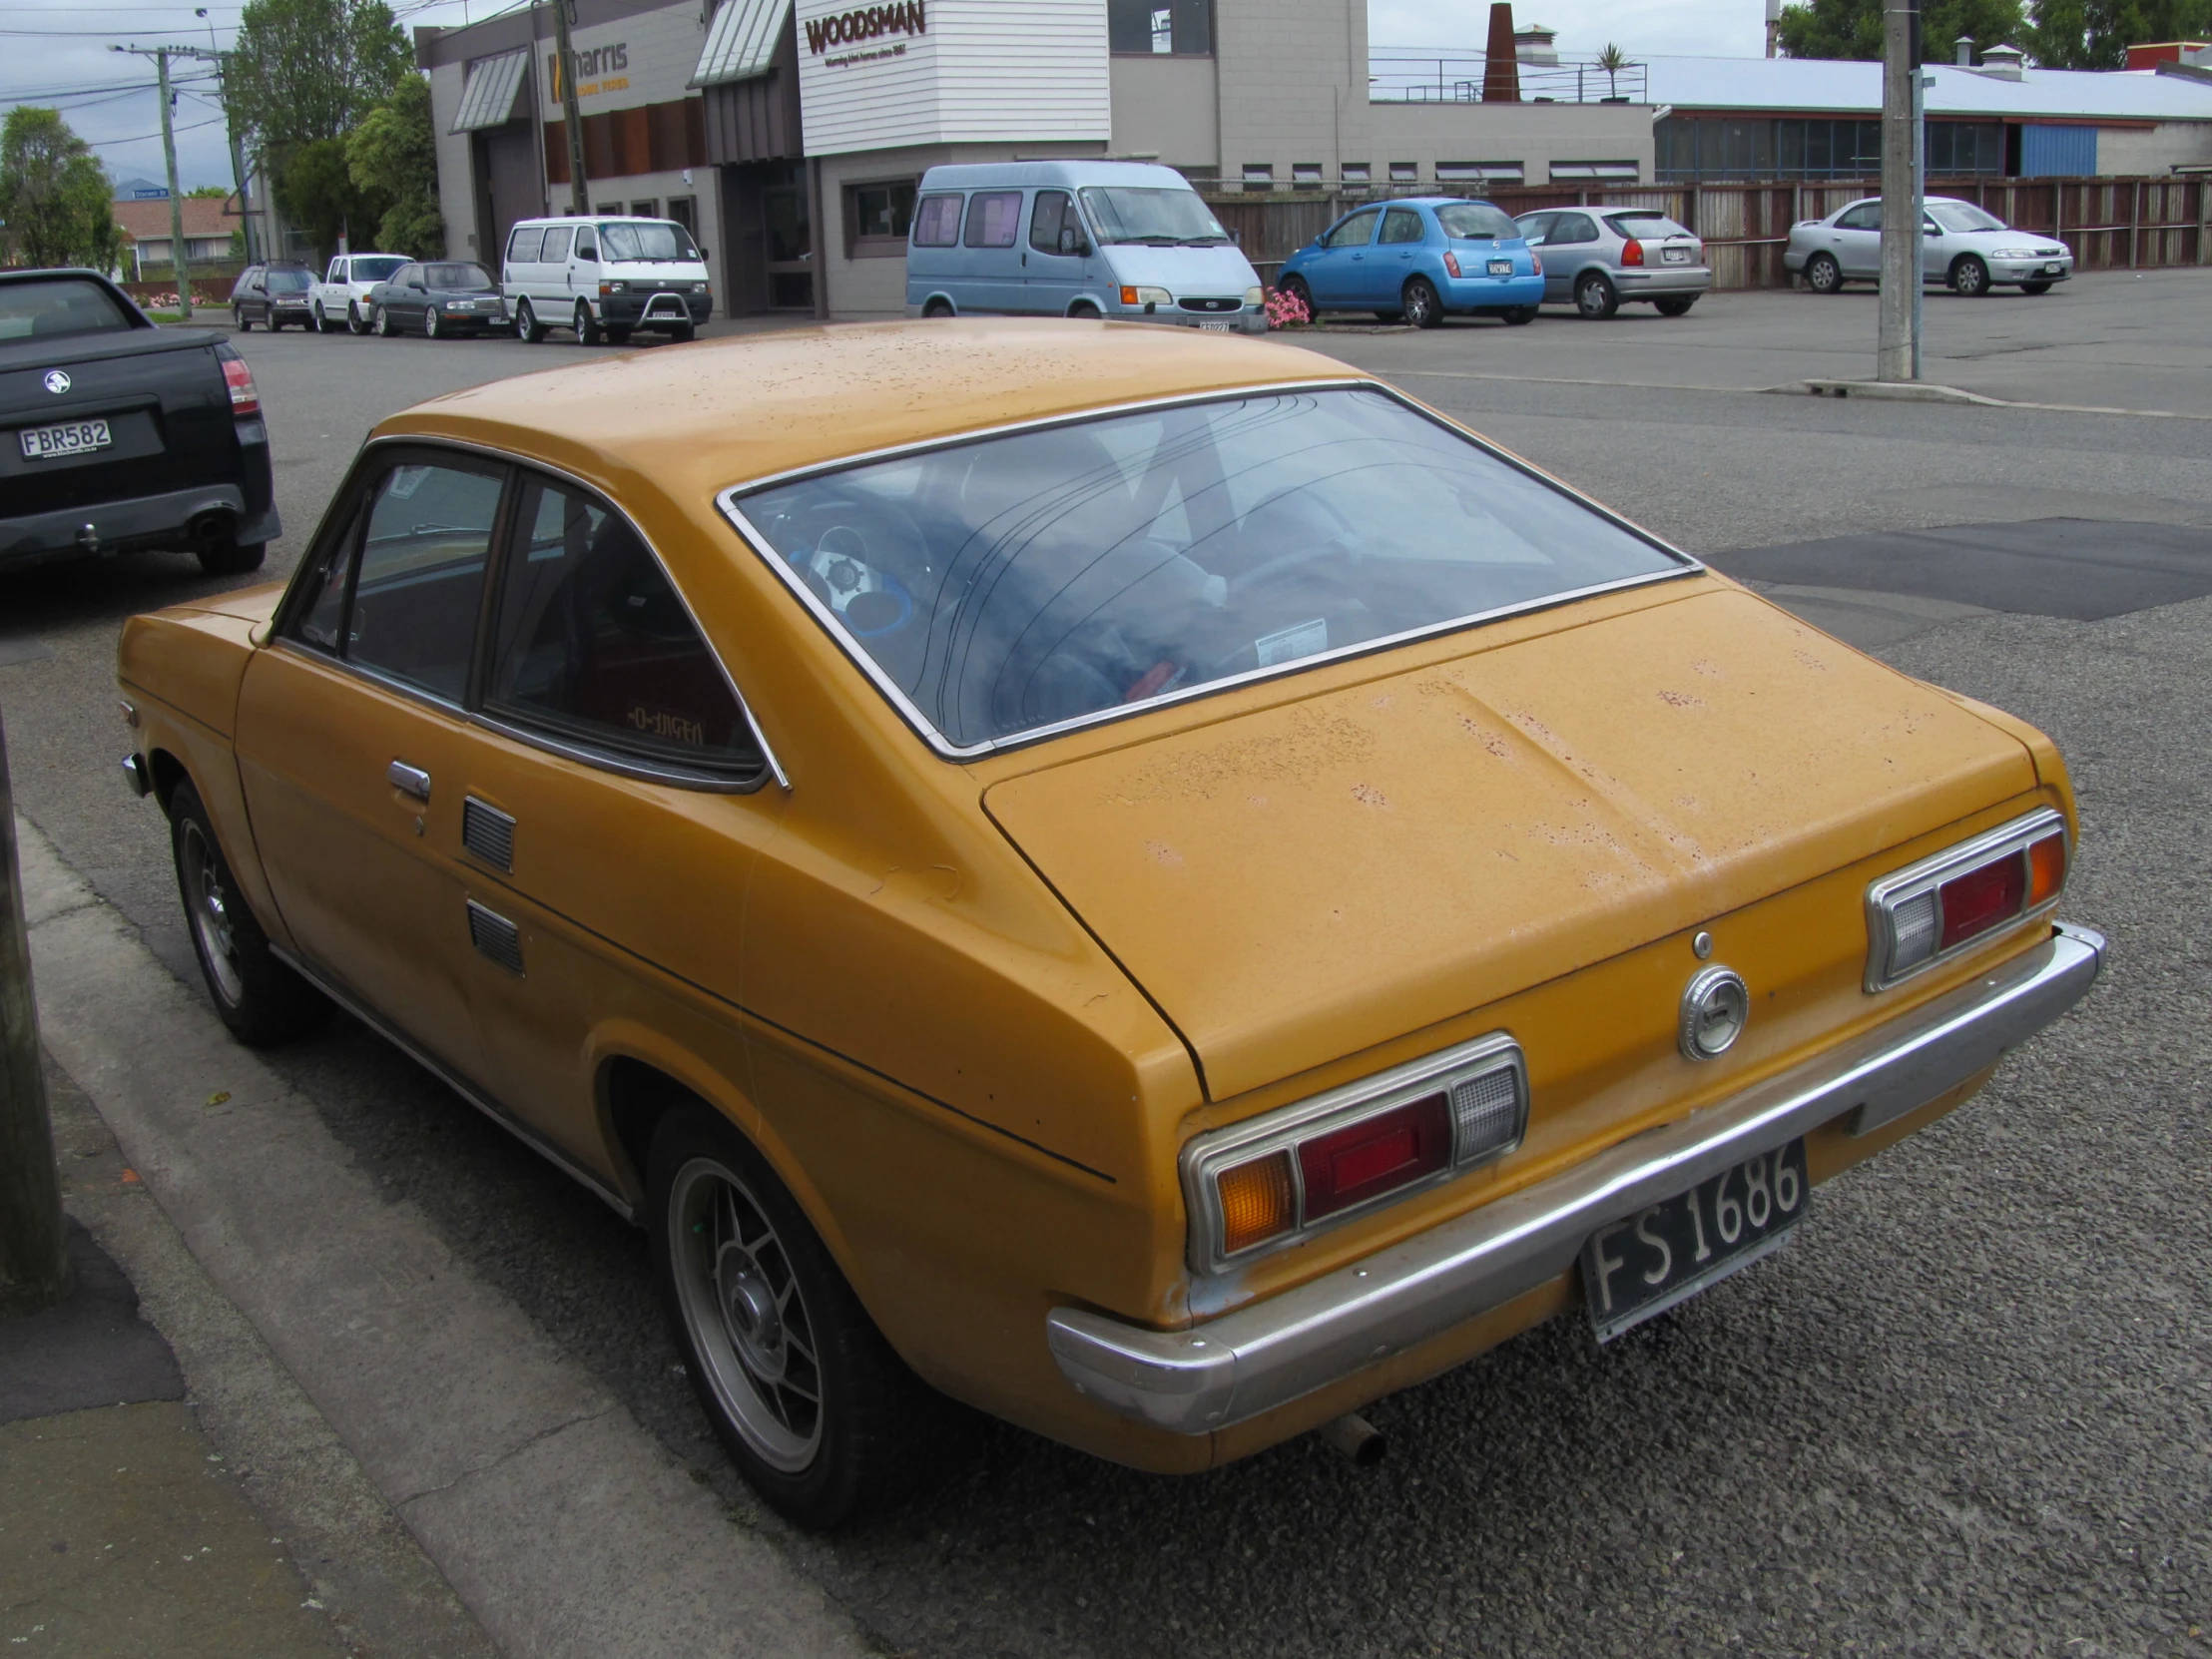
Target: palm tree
1613 60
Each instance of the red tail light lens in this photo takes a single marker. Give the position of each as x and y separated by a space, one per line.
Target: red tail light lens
1978 900
1537 259
1367 1159
1632 252
1452 263
245 399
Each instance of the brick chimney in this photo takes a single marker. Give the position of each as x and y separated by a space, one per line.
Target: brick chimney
1501 70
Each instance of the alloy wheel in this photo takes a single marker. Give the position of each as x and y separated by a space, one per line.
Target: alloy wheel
430 322
743 1313
1824 276
210 917
354 322
1422 308
1970 277
1594 297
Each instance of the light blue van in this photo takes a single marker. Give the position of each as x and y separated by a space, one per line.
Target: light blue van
1076 238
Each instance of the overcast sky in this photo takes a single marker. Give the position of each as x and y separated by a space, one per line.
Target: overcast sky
58 53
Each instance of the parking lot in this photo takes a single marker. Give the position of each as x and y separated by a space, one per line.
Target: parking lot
1968 1409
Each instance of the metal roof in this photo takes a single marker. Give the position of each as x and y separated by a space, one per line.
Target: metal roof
741 42
488 95
1850 87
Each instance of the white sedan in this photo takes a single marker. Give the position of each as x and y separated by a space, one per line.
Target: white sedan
1961 244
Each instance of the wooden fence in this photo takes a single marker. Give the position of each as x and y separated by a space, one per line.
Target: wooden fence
2110 224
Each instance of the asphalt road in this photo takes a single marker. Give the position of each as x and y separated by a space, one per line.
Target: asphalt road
1967 1409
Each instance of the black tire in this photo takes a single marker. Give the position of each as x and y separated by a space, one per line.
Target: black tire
263 1001
1084 311
354 322
1595 297
1519 316
1822 274
617 335
588 332
680 336
2035 287
1673 308
761 1316
528 328
1296 287
938 307
1423 307
382 323
237 320
1389 316
232 557
1970 277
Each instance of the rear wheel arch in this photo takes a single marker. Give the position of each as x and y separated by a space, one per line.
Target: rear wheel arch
167 771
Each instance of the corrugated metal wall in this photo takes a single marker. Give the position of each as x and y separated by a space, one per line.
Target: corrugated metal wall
2058 152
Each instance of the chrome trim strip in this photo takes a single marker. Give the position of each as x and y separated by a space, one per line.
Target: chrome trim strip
529 1137
1205 1156
926 729
135 778
1272 1351
1885 892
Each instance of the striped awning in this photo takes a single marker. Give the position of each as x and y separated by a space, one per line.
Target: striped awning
741 43
488 95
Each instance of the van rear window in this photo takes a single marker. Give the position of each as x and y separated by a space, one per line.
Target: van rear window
993 218
937 222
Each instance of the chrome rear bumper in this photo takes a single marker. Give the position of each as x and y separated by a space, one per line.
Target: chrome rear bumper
1271 1352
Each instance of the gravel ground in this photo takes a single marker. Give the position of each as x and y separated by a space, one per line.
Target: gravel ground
1966 1410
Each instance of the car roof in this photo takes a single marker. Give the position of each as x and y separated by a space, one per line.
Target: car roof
586 218
1074 175
693 420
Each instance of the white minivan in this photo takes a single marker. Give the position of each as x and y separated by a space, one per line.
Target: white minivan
603 278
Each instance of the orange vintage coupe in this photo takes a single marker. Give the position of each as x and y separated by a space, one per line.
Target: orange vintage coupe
1144 882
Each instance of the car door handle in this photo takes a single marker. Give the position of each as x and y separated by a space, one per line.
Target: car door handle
409 779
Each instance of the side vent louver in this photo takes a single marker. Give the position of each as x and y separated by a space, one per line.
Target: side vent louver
495 936
489 834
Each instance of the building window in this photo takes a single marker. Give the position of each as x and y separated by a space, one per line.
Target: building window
645 210
1491 172
1404 172
1695 149
878 216
1149 27
1306 175
1609 171
1258 176
1356 173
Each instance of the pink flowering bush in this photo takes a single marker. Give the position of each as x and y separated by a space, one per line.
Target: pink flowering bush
1286 310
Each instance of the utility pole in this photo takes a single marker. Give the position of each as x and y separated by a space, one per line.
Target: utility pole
34 1263
572 124
161 56
1894 355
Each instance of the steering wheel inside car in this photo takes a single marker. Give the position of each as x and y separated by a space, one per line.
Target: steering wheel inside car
868 600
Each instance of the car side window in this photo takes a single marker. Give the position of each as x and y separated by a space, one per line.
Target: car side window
592 644
1403 225
1866 217
336 272
587 244
1568 228
937 222
524 246
319 611
1355 232
410 277
556 244
419 581
993 218
1534 228
1050 222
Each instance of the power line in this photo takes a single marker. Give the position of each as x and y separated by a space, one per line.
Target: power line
105 144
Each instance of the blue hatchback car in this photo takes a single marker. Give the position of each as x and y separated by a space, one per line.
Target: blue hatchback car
1423 260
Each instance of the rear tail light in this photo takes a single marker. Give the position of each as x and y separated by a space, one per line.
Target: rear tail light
1284 1175
1452 263
1940 905
1632 252
1537 259
245 399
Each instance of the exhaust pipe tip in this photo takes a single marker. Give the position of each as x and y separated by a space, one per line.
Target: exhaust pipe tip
210 528
1358 1438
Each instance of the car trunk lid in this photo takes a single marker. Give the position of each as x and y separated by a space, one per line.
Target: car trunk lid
163 395
1305 881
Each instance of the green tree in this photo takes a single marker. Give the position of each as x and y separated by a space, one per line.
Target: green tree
54 197
207 193
1852 28
392 154
315 190
310 69
2096 34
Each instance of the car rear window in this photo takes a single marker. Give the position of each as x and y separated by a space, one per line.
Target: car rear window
1012 585
1476 221
288 282
376 271
456 275
1650 225
60 306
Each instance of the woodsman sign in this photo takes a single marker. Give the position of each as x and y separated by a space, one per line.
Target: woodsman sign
868 22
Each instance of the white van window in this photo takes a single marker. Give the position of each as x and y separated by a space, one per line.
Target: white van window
1160 218
525 245
556 243
937 222
995 218
625 244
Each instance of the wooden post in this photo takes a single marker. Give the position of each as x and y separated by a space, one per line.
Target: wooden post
34 1267
2204 196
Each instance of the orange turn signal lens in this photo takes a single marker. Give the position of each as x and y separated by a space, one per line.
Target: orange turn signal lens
1128 296
2046 870
1257 1201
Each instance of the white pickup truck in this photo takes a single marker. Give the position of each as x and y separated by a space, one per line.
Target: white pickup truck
340 294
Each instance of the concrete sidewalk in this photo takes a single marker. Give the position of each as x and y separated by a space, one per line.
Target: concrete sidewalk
451 1484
